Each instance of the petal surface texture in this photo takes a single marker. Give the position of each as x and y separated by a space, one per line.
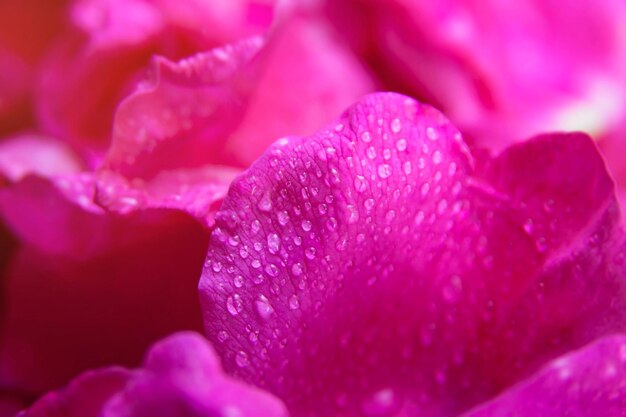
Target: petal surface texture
378 268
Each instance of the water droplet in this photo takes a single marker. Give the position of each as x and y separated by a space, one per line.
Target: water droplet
256 264
383 403
384 170
425 188
391 214
310 253
339 127
369 204
283 218
431 133
271 270
359 183
222 336
386 154
217 266
265 204
294 302
263 307
306 225
297 240
366 137
401 145
234 305
255 226
353 215
436 157
371 152
396 125
296 269
322 208
238 281
331 224
242 359
273 243
407 167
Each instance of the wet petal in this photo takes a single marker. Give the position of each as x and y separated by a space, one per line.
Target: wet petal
361 270
589 382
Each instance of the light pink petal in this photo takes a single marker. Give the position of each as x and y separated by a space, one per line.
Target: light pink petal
182 114
109 47
589 382
300 48
181 376
363 270
83 397
198 192
31 153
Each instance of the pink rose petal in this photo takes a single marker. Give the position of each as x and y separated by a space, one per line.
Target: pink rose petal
181 376
83 397
586 383
182 114
367 269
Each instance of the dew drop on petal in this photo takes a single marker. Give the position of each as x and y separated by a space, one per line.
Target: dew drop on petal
263 307
396 125
273 243
306 225
294 302
384 170
242 359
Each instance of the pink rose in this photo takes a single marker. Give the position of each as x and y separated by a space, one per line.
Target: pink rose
379 268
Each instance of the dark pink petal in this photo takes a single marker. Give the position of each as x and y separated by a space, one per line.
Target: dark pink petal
183 113
181 376
586 383
83 397
64 315
365 270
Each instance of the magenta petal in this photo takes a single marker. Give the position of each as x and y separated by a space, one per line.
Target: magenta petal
587 383
181 115
367 268
182 377
83 397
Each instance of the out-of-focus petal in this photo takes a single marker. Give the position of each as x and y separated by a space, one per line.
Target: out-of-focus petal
183 114
181 377
589 382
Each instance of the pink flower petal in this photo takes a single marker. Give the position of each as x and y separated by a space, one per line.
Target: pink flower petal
84 396
99 61
181 376
365 270
590 382
181 116
198 192
300 48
